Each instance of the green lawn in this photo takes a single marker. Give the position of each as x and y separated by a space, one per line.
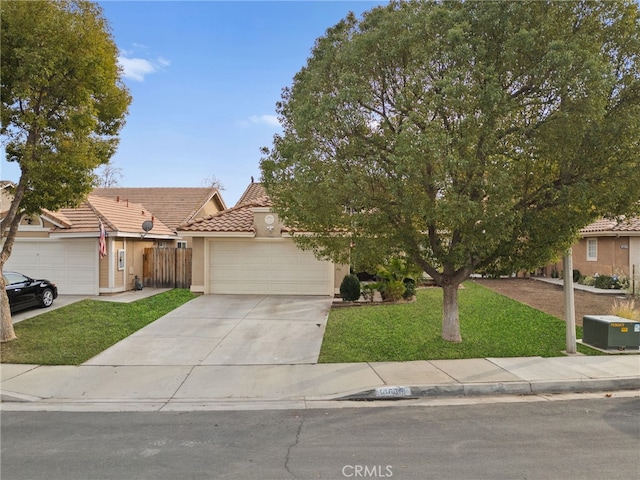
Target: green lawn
73 334
491 325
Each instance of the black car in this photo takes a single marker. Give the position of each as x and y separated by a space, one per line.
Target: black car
25 292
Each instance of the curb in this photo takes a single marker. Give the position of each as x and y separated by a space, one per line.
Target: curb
508 388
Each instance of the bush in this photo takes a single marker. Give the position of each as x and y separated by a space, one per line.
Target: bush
350 288
393 290
410 288
588 280
626 309
604 281
576 276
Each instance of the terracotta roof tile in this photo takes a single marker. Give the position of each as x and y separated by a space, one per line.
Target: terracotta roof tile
173 206
236 219
122 217
608 225
255 191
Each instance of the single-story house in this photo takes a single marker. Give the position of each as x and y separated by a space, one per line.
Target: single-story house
606 247
64 246
173 206
247 250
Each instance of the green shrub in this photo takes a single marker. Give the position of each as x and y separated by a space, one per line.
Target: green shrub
588 280
393 290
410 288
350 288
604 281
576 276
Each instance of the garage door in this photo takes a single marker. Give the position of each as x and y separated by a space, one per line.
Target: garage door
266 267
71 264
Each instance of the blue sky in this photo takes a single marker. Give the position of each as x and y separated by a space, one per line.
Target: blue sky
205 77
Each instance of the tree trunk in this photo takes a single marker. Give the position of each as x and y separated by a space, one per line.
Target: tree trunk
13 220
450 317
6 325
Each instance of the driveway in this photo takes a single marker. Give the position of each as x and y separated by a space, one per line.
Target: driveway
228 330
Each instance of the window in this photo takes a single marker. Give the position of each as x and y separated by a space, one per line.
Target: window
182 244
120 259
592 250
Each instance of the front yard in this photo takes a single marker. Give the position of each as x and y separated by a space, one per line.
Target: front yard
73 334
492 325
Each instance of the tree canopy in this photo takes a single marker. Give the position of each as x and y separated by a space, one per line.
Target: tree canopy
63 105
464 135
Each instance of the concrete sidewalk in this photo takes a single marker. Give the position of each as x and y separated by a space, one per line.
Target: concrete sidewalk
183 388
249 351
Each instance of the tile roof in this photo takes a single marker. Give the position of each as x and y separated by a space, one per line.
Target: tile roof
254 191
236 219
121 217
173 206
608 225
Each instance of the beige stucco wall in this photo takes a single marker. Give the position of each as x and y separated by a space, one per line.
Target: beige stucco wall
197 264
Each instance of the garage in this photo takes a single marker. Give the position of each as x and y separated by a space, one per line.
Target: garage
72 264
266 266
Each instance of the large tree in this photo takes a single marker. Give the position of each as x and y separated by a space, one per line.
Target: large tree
464 135
63 104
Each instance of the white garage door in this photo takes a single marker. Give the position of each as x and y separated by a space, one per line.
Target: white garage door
266 267
71 264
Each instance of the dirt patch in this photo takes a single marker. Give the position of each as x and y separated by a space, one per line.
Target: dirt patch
549 298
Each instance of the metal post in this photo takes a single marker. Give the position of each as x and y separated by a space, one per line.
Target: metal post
569 302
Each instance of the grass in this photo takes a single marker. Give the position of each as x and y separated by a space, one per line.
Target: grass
491 325
626 309
75 333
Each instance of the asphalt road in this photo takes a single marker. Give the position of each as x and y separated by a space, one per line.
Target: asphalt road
578 439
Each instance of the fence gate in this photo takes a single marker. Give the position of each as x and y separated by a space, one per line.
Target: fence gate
167 268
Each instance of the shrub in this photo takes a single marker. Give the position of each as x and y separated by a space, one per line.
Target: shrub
350 288
410 288
604 281
626 309
588 280
576 276
392 290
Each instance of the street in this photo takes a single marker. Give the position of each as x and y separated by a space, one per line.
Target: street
576 439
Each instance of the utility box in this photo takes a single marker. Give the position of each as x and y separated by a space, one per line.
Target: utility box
611 332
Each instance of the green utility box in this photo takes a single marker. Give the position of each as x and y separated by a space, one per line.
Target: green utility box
611 332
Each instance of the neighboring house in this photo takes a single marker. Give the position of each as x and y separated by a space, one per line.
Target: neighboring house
63 246
172 205
247 250
606 247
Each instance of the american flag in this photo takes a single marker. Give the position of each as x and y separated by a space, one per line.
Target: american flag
102 244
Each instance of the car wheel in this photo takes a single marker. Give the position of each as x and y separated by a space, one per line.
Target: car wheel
47 298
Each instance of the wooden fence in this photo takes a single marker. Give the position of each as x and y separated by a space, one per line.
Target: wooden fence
167 268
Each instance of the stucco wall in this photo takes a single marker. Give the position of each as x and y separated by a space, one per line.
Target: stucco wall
197 262
612 258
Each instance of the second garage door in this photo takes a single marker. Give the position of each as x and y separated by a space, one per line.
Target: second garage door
72 264
275 267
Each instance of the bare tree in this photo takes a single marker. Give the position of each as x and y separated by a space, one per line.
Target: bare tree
213 182
108 176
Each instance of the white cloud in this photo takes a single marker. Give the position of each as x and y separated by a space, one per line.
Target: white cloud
270 120
137 68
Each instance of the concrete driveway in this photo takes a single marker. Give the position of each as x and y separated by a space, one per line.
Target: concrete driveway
228 330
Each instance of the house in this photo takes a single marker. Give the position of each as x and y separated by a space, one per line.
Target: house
174 205
64 246
247 250
607 247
